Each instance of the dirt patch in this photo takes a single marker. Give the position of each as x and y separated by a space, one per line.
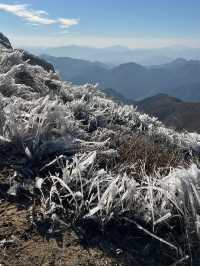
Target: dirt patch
30 248
25 246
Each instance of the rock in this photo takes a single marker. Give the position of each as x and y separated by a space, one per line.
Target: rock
4 42
35 60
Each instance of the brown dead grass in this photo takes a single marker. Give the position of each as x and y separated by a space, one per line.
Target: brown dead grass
147 153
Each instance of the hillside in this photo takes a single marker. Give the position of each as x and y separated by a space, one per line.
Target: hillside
70 68
172 111
180 78
87 181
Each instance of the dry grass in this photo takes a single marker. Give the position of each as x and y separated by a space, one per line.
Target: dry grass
148 154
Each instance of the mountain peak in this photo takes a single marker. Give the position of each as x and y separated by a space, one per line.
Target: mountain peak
130 67
161 97
4 42
179 61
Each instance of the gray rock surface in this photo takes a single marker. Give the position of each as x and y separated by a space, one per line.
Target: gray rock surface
4 42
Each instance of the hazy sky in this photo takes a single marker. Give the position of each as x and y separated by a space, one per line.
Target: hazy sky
134 23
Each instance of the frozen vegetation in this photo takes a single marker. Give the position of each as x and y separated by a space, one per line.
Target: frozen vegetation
72 148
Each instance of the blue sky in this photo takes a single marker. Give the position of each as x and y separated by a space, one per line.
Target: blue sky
141 23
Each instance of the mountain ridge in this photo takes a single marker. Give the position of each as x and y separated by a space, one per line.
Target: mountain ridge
133 80
118 54
172 112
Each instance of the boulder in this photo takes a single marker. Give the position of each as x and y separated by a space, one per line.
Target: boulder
4 42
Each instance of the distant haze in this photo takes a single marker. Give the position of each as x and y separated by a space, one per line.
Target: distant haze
134 24
115 55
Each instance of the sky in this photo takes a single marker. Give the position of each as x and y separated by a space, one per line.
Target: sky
100 23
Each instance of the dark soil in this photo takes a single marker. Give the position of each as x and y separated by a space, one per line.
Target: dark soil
30 247
84 244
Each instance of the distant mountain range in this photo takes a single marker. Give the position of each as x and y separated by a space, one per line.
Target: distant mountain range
69 68
117 54
174 86
172 111
179 78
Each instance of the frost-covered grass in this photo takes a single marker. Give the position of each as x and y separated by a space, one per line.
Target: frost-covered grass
87 156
